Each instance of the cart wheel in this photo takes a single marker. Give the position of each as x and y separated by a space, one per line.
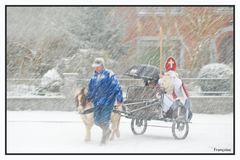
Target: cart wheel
138 126
180 129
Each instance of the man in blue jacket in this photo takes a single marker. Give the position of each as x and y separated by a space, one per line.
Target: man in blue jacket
103 91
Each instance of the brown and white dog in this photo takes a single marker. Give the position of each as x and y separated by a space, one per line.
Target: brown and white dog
84 106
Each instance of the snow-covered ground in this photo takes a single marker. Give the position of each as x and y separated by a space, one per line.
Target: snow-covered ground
63 132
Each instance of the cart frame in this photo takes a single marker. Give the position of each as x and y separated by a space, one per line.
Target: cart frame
180 123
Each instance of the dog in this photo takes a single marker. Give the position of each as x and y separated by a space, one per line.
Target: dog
85 108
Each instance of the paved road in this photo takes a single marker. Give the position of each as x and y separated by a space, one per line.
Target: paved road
63 132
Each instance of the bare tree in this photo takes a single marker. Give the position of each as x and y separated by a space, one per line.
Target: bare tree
202 24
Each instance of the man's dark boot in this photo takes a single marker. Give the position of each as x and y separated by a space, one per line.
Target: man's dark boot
105 135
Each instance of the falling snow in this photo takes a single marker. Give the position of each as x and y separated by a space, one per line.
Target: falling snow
50 51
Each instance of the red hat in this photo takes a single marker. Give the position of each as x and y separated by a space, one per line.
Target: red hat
170 64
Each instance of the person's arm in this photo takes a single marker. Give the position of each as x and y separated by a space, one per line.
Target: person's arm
119 95
181 95
115 88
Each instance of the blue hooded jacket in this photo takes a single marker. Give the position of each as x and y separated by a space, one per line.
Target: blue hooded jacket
104 89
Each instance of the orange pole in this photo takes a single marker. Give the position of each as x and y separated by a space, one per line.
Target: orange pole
161 49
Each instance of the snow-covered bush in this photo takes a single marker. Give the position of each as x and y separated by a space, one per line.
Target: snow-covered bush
215 78
51 81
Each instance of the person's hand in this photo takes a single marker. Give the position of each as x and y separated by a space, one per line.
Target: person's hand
158 95
180 99
119 103
161 75
119 106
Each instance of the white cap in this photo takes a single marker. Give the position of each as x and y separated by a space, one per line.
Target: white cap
98 62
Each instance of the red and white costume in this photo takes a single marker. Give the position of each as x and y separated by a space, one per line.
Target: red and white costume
173 85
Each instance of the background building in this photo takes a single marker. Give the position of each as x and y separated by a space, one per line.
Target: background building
195 36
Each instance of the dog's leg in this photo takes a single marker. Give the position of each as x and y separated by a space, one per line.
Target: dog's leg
112 134
88 134
113 126
118 117
117 127
88 126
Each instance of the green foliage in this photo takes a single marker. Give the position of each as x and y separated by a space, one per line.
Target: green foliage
58 32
